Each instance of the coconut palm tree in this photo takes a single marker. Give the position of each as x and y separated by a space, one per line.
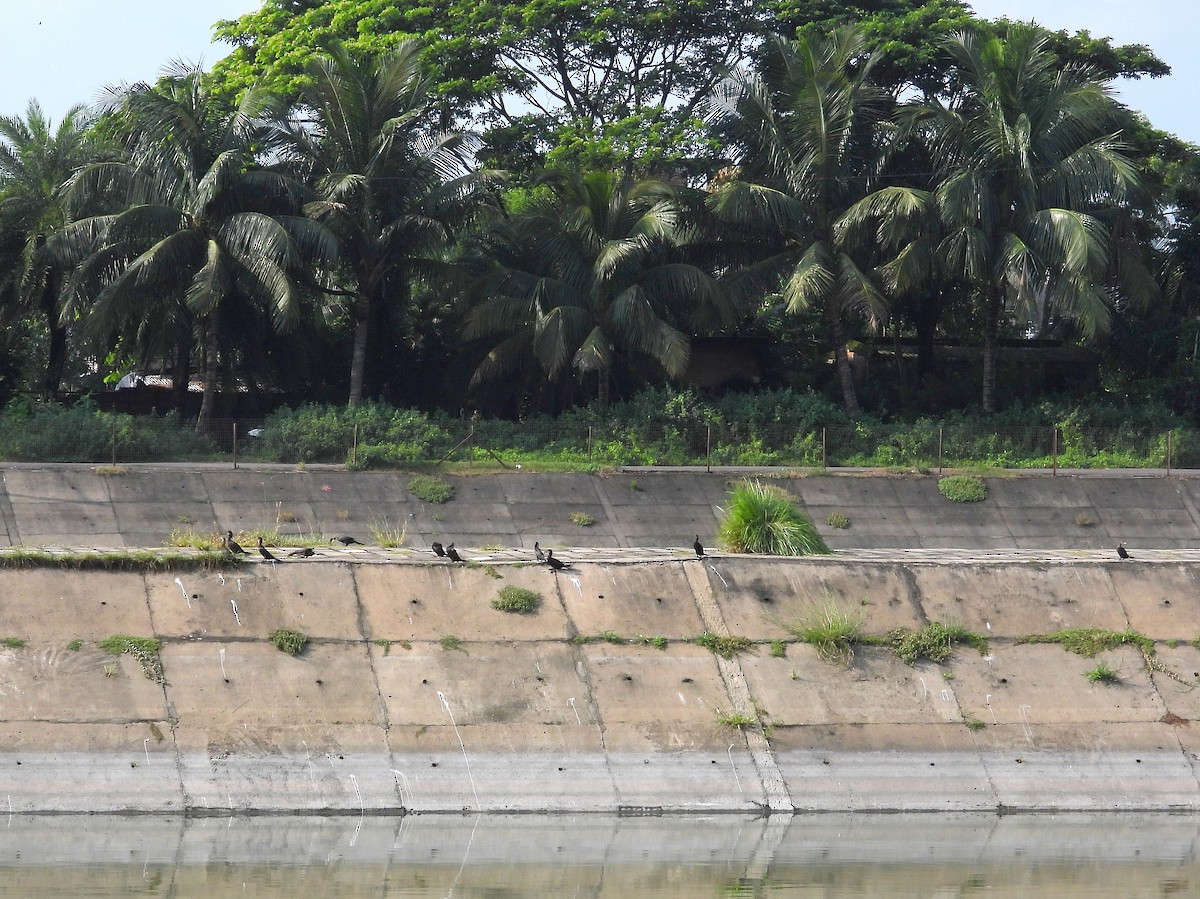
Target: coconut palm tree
592 274
199 228
1029 174
809 132
36 160
387 185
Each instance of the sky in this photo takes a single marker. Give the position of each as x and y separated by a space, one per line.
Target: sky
63 52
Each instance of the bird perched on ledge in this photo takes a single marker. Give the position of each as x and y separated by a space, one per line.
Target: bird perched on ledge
232 546
344 540
1122 552
538 552
698 547
438 549
303 553
556 564
264 552
452 553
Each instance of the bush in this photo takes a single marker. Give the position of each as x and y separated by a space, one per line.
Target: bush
518 600
963 488
430 489
762 518
832 632
934 642
82 433
838 520
289 641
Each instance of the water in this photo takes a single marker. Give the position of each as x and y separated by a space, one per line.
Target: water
500 857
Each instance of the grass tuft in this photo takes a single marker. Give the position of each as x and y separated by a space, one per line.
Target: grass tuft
451 643
289 641
963 488
832 632
725 647
517 600
935 642
1088 641
1103 674
583 519
431 489
606 637
838 520
13 642
384 533
763 518
144 649
118 560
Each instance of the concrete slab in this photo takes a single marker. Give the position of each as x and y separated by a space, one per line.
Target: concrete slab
653 597
1177 684
674 525
949 519
317 600
428 602
44 523
1018 599
254 694
1163 603
1113 494
686 781
552 488
1134 524
452 519
47 680
56 607
176 487
761 601
162 519
629 490
74 485
1058 495
484 683
1065 524
853 492
864 523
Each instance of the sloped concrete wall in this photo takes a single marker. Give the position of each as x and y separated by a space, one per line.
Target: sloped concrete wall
381 714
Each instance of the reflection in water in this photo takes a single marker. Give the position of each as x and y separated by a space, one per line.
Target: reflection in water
502 857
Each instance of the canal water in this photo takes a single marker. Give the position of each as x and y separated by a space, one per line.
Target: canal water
503 857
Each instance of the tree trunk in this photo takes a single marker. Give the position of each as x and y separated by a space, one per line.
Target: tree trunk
925 320
181 374
56 357
211 358
603 386
358 361
841 358
991 350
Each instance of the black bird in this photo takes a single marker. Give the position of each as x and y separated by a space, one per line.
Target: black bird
264 552
556 564
345 541
537 551
232 545
437 548
1122 552
452 553
698 547
303 553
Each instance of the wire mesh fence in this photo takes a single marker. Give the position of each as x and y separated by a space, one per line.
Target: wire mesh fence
99 437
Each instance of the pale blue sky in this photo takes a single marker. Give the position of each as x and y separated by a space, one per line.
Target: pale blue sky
66 51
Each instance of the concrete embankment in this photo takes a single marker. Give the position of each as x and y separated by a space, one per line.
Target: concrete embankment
382 713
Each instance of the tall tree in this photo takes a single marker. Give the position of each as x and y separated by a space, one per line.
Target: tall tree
808 131
36 160
195 232
1028 171
594 274
387 185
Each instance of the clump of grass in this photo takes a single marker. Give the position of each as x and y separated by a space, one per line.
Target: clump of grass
384 644
517 600
838 520
431 489
725 647
935 642
287 640
736 719
384 533
156 732
583 519
1088 641
606 637
13 642
832 632
1103 674
75 645
1084 520
656 642
119 560
144 649
763 518
109 471
450 643
973 724
778 649
963 488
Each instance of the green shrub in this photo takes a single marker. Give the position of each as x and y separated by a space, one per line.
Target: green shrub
450 643
963 488
1103 674
934 642
838 520
583 519
517 599
13 642
606 637
431 489
144 649
725 647
762 518
832 632
289 641
1088 641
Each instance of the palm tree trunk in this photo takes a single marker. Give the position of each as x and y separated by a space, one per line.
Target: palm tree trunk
211 358
56 357
841 359
180 374
991 349
603 386
359 357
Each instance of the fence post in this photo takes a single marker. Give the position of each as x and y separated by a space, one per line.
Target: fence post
589 443
1168 453
708 450
471 446
235 445
354 448
824 451
114 441
939 450
1054 451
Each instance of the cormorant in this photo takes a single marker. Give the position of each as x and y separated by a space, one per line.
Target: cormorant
698 547
232 545
264 552
345 541
1122 552
437 548
537 551
452 553
303 552
556 564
